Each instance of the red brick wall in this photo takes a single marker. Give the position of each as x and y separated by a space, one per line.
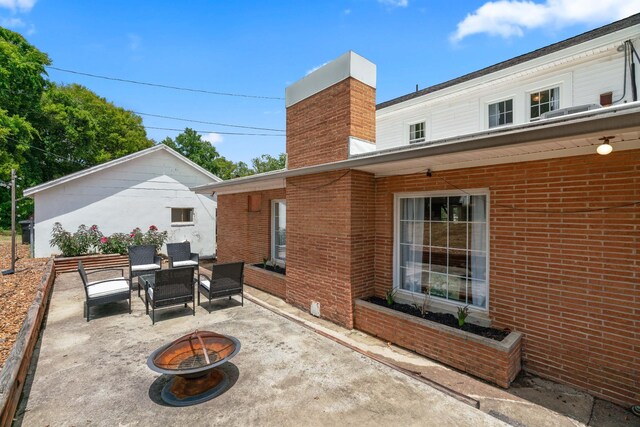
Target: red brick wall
498 362
318 127
244 235
268 281
569 282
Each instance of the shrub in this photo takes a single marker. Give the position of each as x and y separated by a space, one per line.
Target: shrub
84 241
91 240
117 243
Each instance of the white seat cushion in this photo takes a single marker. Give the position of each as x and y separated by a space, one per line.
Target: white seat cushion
205 283
143 267
106 288
150 290
184 263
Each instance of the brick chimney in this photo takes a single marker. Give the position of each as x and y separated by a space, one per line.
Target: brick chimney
332 112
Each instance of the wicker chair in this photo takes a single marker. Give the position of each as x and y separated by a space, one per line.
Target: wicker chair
171 287
143 260
180 255
226 280
103 291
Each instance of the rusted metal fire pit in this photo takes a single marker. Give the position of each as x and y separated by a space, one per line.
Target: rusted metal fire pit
193 359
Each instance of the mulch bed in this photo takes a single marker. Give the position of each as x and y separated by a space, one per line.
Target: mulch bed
17 292
444 319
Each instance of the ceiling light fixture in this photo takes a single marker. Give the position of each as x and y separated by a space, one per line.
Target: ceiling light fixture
605 148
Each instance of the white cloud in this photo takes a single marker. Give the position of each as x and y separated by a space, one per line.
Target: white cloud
212 138
394 3
21 5
316 68
12 23
135 41
346 11
507 18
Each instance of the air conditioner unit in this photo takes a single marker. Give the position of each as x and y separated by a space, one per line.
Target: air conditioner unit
569 110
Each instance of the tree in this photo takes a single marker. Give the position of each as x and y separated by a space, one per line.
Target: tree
266 163
190 144
79 129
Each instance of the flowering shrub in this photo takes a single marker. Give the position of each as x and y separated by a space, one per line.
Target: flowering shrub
84 241
91 240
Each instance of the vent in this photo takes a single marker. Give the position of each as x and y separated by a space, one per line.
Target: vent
569 110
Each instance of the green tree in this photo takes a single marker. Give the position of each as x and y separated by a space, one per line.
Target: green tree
190 144
266 163
79 129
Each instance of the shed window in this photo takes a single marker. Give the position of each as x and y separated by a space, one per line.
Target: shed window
179 215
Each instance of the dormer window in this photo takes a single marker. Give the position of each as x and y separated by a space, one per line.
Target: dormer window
543 101
416 132
501 113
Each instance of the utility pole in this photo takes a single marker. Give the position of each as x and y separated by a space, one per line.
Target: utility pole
13 224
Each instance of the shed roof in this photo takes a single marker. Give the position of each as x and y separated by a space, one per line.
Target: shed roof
76 175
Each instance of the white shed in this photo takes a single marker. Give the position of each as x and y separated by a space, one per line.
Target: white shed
150 187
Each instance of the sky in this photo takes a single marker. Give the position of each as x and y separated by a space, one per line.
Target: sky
256 49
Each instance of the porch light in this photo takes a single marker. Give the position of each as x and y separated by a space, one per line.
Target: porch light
605 148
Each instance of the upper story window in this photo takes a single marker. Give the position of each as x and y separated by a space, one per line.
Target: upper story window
543 101
442 246
416 132
501 113
279 231
181 215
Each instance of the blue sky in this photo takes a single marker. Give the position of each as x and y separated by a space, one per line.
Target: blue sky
259 48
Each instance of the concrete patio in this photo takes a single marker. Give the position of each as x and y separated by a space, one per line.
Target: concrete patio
285 374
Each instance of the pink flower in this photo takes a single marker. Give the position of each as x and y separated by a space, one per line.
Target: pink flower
103 240
94 227
153 228
132 234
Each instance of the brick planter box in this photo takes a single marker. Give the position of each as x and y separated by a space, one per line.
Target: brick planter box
265 280
494 361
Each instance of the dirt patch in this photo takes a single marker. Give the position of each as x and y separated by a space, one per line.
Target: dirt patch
17 292
444 319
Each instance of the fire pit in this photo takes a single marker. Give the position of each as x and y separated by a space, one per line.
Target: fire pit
193 359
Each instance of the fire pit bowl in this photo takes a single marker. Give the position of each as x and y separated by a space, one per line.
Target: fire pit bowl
192 360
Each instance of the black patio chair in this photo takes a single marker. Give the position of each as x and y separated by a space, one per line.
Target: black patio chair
103 291
226 280
180 255
143 260
170 287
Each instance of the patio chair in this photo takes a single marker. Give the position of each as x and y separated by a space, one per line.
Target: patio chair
180 255
143 260
103 291
226 280
170 287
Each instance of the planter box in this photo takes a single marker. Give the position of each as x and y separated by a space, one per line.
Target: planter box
14 371
68 264
268 281
494 361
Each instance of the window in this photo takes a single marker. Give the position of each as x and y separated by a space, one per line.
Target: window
279 231
179 215
416 133
441 246
501 113
543 101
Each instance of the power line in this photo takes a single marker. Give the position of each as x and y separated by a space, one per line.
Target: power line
220 133
205 122
97 76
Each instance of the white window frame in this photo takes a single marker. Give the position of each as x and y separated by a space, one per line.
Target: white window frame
182 223
546 89
513 112
424 131
413 296
280 262
564 82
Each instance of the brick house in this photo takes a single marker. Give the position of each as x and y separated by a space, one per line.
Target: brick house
484 191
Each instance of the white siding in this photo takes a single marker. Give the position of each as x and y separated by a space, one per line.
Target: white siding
462 109
138 193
